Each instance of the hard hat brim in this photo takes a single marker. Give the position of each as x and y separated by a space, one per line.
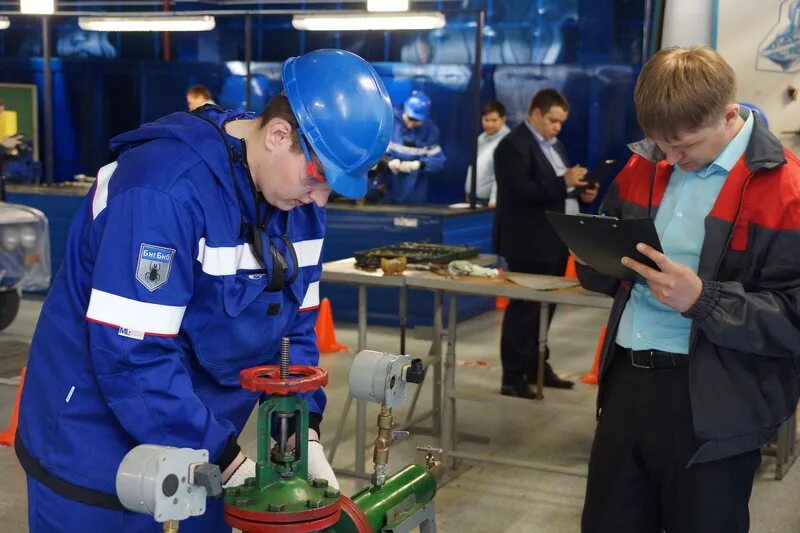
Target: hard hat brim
412 115
350 186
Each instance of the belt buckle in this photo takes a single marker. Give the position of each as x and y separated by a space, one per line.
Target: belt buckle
649 366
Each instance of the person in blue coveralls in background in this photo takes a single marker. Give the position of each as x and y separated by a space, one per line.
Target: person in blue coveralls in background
414 153
194 253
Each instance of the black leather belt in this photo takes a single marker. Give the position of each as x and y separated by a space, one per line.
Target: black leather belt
653 359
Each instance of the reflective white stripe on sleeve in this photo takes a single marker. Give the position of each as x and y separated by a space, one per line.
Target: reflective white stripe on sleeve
226 260
311 299
101 188
308 252
415 151
154 319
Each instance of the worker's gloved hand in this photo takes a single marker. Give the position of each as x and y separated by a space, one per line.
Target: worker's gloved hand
246 469
409 166
394 165
318 466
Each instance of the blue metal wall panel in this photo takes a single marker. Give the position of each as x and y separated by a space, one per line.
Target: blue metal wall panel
351 230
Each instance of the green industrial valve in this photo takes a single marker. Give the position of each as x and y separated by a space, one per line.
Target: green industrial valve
281 498
171 484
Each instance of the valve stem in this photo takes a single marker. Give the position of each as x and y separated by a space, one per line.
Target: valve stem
284 422
285 358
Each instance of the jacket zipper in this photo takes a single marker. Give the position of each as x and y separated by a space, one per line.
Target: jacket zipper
724 251
714 274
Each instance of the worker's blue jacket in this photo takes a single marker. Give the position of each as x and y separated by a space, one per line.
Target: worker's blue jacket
161 302
413 144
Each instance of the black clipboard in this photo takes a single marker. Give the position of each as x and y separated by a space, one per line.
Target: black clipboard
603 241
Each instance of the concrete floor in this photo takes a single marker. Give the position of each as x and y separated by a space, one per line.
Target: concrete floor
474 498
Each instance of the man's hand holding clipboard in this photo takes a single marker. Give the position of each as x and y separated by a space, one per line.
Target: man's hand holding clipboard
674 285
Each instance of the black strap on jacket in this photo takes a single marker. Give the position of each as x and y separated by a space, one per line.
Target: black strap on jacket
61 487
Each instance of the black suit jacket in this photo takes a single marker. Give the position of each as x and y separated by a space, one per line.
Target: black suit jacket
527 187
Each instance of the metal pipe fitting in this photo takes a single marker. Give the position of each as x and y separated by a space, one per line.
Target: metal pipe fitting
383 442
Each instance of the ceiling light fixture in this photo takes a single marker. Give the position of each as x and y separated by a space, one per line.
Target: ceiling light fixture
387 5
4 23
148 23
369 21
37 7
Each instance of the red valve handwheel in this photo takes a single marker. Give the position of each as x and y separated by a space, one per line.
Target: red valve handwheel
283 522
356 514
268 379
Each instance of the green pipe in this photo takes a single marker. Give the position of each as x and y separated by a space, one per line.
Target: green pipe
402 495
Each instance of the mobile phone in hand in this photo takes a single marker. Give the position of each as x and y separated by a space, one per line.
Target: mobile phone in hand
599 174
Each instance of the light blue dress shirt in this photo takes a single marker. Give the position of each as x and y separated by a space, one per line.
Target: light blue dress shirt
646 323
571 205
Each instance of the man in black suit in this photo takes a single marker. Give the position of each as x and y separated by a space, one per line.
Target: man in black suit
533 176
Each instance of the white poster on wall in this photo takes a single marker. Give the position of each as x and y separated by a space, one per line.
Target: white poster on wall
761 41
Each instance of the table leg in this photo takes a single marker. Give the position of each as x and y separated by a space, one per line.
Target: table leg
436 351
361 405
403 312
413 406
543 323
339 429
449 406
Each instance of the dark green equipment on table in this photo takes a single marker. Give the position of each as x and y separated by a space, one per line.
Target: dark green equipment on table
415 253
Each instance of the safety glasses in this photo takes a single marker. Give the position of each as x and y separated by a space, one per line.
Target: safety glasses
311 168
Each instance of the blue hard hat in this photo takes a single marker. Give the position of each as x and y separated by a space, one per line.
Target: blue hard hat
344 111
417 106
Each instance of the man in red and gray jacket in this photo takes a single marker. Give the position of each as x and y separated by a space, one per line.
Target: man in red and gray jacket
701 359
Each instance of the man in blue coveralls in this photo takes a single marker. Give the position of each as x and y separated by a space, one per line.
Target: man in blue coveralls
194 253
414 153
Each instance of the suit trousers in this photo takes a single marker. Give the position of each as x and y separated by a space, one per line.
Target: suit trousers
519 341
639 477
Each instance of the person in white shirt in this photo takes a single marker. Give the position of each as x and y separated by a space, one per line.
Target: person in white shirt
493 121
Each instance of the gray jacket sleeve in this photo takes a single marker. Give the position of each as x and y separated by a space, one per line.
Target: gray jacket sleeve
763 319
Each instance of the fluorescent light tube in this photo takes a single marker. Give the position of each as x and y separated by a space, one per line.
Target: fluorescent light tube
4 23
387 5
369 21
145 23
37 7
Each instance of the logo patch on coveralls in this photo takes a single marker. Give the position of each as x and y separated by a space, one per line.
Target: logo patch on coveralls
155 263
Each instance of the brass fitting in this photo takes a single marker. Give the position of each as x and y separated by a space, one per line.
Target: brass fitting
383 442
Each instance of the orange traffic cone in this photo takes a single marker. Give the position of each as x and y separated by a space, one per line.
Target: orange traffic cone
500 302
326 337
7 436
591 377
570 271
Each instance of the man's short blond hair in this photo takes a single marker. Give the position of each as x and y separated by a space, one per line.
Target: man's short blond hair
681 90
